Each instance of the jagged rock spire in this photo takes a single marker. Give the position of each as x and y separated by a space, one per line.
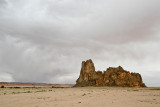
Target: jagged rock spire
113 76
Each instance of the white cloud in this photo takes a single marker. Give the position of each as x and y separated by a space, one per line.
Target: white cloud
45 41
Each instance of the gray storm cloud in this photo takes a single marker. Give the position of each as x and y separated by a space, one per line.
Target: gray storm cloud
45 41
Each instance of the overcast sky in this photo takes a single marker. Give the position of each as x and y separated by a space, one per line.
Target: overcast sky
46 40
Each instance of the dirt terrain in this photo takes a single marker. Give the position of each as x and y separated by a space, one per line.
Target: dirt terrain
79 97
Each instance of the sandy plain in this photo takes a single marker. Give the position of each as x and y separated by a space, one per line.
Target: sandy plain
79 97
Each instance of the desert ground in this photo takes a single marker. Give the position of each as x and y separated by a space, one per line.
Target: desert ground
79 97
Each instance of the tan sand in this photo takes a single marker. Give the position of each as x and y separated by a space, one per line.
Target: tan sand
80 97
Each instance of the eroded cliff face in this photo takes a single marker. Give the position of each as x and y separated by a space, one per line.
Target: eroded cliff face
111 77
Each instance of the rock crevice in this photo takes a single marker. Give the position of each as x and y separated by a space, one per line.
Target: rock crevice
113 76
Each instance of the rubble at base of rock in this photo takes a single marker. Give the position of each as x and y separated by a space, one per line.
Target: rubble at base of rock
111 77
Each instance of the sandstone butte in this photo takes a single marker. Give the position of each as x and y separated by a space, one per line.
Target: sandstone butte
113 76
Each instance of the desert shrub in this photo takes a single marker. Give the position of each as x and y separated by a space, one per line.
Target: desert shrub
2 86
17 87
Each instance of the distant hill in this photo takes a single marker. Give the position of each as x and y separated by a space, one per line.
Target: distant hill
19 84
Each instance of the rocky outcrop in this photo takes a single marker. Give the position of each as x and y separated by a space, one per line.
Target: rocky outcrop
113 76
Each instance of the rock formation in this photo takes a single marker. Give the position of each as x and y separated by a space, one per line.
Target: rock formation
111 77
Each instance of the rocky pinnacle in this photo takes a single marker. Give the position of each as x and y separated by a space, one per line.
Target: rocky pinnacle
113 76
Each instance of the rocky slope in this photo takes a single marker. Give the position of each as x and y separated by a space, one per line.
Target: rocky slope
111 77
